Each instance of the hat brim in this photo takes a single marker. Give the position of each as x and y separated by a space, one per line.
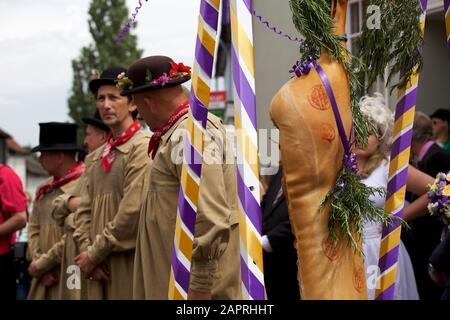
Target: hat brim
96 123
97 83
61 147
151 87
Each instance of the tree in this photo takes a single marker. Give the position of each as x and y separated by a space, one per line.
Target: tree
106 20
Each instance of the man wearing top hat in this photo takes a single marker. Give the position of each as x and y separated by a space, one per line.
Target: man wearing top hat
58 148
71 285
108 214
155 85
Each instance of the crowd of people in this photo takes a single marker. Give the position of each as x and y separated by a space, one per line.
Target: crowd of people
103 227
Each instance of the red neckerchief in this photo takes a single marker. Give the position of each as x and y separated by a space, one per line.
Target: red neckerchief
158 133
109 153
72 174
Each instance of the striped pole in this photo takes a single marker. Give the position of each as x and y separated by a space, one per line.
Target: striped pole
249 211
193 149
447 23
396 188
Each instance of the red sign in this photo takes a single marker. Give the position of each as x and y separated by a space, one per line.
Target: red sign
217 100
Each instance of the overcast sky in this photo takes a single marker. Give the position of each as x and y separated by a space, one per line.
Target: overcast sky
38 40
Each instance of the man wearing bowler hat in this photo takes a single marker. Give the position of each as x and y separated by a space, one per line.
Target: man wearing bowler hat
155 85
108 214
71 285
58 148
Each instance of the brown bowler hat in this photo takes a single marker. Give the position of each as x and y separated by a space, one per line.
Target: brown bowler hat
152 73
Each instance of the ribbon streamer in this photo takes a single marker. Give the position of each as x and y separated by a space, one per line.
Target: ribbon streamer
275 30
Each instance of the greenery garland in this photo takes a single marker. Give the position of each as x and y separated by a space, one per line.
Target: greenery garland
395 44
349 201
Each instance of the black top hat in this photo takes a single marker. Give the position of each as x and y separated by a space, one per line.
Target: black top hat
443 114
96 121
57 136
155 72
108 77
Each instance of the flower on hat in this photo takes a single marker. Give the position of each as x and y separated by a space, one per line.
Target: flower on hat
161 80
123 82
178 70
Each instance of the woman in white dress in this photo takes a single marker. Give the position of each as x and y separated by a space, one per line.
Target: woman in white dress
373 163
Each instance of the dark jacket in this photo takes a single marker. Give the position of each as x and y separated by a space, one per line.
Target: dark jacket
280 266
435 160
425 232
440 259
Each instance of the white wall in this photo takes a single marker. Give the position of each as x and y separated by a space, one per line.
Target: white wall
18 164
274 55
434 82
33 182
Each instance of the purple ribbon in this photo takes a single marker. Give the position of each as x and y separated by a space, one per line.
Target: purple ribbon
350 159
128 26
304 68
275 30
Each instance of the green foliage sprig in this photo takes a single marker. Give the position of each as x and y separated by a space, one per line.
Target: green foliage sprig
350 207
395 45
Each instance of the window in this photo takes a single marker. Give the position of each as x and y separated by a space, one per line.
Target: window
356 12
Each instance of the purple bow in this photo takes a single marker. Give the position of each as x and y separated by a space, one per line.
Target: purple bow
350 161
304 68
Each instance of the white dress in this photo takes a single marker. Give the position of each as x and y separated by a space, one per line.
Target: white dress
405 284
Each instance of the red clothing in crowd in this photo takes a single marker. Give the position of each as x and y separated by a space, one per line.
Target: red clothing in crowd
12 201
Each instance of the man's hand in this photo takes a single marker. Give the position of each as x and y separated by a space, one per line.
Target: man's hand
192 295
100 273
48 279
33 271
85 264
74 203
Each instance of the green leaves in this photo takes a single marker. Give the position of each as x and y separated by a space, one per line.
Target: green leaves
395 45
350 207
148 77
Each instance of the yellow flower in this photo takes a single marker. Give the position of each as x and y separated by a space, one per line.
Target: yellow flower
446 191
448 176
